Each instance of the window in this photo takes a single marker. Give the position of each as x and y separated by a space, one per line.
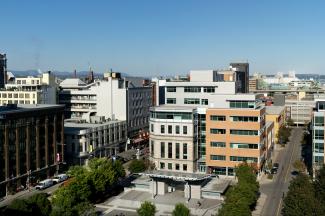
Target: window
152 148
184 129
209 89
170 166
243 146
319 147
218 157
169 115
242 104
176 166
170 150
218 144
244 132
162 150
319 134
177 129
184 150
152 128
191 101
177 150
231 171
319 159
240 159
162 129
204 101
171 101
184 167
170 129
244 118
219 170
162 165
192 89
171 89
217 118
319 121
217 131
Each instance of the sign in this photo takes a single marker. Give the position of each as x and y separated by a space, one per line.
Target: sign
57 157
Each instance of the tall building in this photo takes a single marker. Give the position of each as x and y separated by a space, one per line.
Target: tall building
3 70
30 90
242 75
31 144
114 97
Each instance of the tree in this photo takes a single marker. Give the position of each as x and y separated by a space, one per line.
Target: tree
19 207
137 166
300 199
299 166
319 185
41 203
283 134
181 210
290 122
147 209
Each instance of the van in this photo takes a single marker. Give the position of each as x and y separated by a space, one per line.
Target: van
60 178
44 184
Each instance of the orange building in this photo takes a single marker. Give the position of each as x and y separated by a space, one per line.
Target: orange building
236 135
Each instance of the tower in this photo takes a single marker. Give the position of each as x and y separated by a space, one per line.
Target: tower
242 76
3 70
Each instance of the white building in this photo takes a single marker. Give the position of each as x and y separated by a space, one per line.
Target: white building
30 90
114 98
98 138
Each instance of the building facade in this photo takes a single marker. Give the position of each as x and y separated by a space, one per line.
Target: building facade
172 139
31 143
99 138
318 135
3 70
277 115
30 90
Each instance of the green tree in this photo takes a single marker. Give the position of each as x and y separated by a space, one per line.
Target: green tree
319 185
299 166
181 210
146 209
283 134
290 122
41 203
137 166
300 199
19 207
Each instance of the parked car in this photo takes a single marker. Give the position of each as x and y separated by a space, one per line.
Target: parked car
60 178
276 165
44 184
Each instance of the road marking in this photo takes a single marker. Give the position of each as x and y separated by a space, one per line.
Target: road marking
278 210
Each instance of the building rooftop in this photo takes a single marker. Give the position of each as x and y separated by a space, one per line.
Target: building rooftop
12 108
72 82
180 176
173 108
74 126
274 110
217 185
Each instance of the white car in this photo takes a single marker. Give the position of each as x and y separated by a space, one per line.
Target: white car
44 184
60 178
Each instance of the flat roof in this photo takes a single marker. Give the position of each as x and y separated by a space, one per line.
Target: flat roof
217 185
75 127
14 108
274 110
180 176
173 108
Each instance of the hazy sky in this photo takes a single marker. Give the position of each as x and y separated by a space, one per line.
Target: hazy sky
152 37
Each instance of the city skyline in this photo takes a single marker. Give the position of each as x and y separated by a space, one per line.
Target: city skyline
163 38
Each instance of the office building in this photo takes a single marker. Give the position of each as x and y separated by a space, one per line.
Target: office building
242 76
114 97
277 115
31 143
95 138
30 90
3 70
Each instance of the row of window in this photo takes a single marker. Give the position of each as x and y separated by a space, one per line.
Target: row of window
242 104
16 95
170 148
234 118
171 115
170 166
319 134
191 101
169 129
234 132
234 145
319 147
233 158
319 121
193 89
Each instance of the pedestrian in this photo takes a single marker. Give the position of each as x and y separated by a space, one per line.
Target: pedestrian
282 195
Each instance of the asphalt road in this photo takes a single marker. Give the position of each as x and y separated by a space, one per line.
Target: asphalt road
279 186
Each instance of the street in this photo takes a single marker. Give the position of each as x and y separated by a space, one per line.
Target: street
275 189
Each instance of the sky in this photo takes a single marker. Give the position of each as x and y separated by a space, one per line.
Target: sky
163 37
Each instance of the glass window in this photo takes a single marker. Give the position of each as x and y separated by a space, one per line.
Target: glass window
319 120
170 129
217 131
218 144
240 159
218 157
204 101
152 128
170 166
244 132
171 101
177 129
244 118
244 145
152 148
162 165
231 171
162 149
176 166
184 167
319 147
171 115
170 150
192 89
184 129
162 129
217 118
219 170
184 150
171 89
319 159
209 89
191 101
319 134
177 150
242 104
